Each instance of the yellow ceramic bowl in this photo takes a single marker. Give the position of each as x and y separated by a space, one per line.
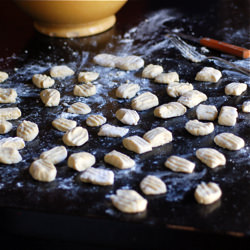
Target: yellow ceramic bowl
72 18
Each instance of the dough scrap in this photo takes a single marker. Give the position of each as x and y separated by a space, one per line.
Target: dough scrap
151 71
50 97
206 112
207 193
167 78
170 110
152 185
136 144
192 98
235 88
127 116
208 74
81 161
55 155
9 155
130 63
42 81
10 113
246 107
3 76
63 124
177 89
61 71
76 136
229 141
12 142
128 201
96 120
211 157
27 130
227 116
8 95
112 131
144 101
127 90
179 164
5 126
119 160
198 128
88 76
98 176
79 108
85 90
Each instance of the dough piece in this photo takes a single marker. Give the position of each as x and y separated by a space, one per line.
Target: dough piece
127 90
96 120
27 130
3 76
8 95
170 110
208 74
228 116
61 71
136 144
152 185
79 108
12 142
179 164
42 170
144 101
127 116
55 155
151 71
177 89
211 157
167 78
119 160
235 88
85 90
112 131
50 97
98 176
206 112
42 81
197 128
87 76
158 136
106 60
10 113
229 141
9 155
5 126
129 201
81 161
63 124
130 63
207 193
246 107
76 136
192 98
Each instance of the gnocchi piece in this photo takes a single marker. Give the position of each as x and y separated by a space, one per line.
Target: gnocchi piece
81 161
179 164
50 97
206 112
10 113
229 141
96 120
227 116
8 95
207 193
63 124
177 89
112 131
27 130
170 110
119 160
127 90
136 144
235 88
76 136
12 142
144 101
208 74
130 63
3 76
127 116
85 90
151 71
79 108
42 170
198 128
246 107
9 155
106 60
42 81
211 157
97 176
158 136
129 201
192 98
152 185
55 155
5 126
88 76
61 71
167 78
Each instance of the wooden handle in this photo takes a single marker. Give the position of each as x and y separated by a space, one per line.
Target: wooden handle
225 47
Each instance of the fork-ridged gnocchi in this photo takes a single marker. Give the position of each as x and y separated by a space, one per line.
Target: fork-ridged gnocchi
227 116
152 185
229 141
5 126
179 164
151 71
84 90
42 81
136 144
9 155
63 124
12 142
167 78
206 112
112 131
27 130
235 88
144 101
3 76
10 113
96 120
198 128
129 63
88 76
246 107
176 89
127 116
55 155
127 90
170 110
76 136
8 95
81 161
79 108
50 97
192 98
61 71
208 74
